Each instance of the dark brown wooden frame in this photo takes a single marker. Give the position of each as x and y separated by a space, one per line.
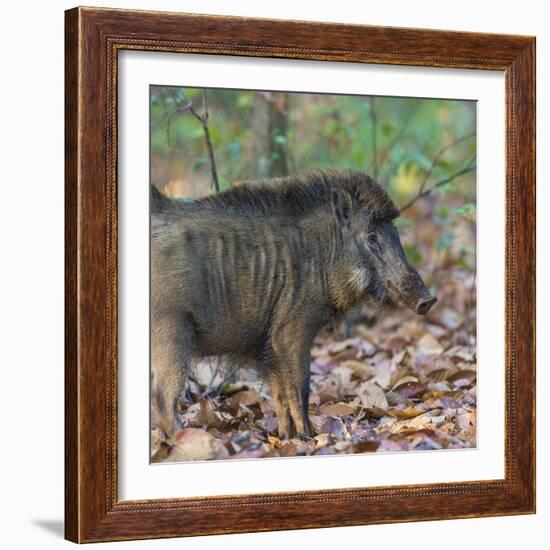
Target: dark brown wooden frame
93 39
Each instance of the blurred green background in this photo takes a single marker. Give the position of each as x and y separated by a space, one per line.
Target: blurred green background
410 146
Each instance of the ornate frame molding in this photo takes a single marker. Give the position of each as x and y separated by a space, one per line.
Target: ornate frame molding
93 39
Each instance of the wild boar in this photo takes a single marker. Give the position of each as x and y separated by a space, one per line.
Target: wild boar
256 271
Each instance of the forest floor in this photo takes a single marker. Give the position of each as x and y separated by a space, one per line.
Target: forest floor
399 383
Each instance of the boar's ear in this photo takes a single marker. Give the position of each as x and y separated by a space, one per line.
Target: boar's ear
341 202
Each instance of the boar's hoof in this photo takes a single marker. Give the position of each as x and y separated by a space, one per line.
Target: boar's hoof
424 305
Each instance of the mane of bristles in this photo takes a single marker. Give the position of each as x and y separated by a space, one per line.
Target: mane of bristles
294 196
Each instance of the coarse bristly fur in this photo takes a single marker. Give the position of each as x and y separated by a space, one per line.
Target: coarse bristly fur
291 196
256 271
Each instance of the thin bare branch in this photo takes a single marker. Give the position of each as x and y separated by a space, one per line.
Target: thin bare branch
397 138
469 167
439 154
205 105
374 137
203 119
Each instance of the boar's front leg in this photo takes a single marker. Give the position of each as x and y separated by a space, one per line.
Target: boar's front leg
171 345
292 357
281 408
297 394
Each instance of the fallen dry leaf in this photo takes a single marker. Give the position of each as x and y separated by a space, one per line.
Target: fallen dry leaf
402 414
370 395
337 409
195 444
243 398
405 380
429 345
360 369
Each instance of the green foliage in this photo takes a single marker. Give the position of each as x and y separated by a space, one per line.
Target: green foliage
280 139
444 242
467 211
413 254
224 183
402 223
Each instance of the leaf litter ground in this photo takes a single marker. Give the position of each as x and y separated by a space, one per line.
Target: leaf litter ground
399 383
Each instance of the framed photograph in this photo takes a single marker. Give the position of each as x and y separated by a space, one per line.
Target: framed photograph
300 275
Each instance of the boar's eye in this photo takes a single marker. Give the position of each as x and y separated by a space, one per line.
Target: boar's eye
373 243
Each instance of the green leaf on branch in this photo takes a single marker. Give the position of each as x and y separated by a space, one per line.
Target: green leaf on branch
442 216
444 242
387 129
280 139
402 223
224 183
463 249
413 254
467 211
421 160
447 188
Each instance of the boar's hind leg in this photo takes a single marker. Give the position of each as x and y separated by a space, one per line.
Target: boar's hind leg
293 362
171 346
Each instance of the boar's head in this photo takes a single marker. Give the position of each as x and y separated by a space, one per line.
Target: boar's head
373 248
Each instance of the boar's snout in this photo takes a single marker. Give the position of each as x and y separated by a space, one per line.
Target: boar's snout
424 305
411 292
